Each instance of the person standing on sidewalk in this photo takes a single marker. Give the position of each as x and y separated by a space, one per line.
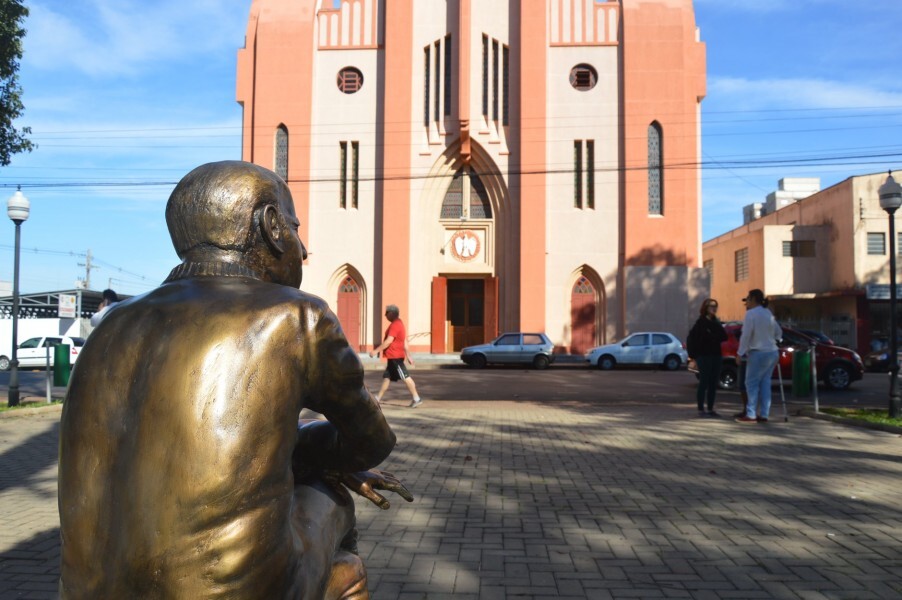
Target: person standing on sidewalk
760 334
396 352
703 344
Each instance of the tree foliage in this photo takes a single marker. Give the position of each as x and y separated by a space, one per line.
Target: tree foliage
12 141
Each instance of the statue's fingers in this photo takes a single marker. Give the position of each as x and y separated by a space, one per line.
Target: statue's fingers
399 489
373 496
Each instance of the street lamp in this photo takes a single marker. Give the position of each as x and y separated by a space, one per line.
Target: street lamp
17 210
890 200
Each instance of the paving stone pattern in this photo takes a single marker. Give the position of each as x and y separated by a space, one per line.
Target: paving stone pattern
520 500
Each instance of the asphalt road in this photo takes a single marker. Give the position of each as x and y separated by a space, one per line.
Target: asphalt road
560 384
579 384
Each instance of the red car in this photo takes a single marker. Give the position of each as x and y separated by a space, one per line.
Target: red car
837 367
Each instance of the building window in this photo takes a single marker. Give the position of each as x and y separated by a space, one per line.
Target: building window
709 267
799 248
485 76
281 160
426 81
355 171
496 61
448 58
343 176
505 86
590 173
742 264
584 185
438 81
349 170
655 170
876 244
350 80
578 174
899 244
453 206
583 77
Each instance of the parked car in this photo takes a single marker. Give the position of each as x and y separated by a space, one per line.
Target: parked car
820 336
878 360
837 367
642 348
33 351
511 348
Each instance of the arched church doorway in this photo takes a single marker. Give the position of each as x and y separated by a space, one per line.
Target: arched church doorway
349 310
583 316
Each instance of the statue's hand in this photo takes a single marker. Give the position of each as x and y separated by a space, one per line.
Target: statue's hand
365 483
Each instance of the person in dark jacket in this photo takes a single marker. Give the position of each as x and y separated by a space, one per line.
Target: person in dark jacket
703 345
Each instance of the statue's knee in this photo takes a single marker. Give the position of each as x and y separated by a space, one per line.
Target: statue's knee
348 578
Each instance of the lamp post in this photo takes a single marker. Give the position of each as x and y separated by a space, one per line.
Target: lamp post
17 210
890 199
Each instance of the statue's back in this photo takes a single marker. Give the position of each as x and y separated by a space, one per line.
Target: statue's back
176 445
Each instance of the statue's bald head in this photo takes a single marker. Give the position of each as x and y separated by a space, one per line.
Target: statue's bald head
213 206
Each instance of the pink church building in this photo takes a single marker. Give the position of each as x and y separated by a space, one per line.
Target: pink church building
487 166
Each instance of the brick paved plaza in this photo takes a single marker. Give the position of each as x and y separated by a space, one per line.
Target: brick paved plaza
521 500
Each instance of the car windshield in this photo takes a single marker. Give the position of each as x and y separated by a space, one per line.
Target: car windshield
32 343
77 341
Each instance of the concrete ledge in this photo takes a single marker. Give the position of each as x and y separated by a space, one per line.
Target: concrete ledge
810 412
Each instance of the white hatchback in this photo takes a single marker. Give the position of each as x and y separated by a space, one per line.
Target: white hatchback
642 348
33 351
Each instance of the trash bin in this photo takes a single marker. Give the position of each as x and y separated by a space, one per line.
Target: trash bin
801 372
61 365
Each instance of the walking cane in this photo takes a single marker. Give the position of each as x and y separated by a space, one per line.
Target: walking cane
782 394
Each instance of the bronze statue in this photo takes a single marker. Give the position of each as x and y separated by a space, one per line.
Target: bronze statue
183 470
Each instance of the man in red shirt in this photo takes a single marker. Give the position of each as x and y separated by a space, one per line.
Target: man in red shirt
396 351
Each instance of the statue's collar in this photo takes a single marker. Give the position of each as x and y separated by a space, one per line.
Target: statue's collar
210 269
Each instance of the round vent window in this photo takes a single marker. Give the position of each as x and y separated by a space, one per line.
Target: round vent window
583 77
350 80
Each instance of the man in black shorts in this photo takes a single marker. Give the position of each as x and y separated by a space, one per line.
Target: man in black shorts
396 352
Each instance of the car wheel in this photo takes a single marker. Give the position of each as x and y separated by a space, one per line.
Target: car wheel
540 362
838 376
728 379
606 362
672 362
4 363
477 361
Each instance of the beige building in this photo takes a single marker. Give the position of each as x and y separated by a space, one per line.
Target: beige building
823 261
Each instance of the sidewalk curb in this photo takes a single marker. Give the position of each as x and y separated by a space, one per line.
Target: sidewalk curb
26 412
810 412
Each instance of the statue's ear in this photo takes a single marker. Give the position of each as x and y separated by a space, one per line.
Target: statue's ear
272 229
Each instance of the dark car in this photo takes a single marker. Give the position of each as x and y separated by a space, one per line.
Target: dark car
878 360
837 367
511 348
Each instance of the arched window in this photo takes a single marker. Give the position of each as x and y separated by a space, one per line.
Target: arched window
281 161
655 169
453 205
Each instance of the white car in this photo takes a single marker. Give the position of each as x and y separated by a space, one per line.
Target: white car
33 351
642 348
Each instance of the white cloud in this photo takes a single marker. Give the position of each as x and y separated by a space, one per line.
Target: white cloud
106 38
748 94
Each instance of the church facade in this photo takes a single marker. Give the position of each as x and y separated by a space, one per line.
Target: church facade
503 165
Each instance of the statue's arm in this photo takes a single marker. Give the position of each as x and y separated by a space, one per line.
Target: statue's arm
356 436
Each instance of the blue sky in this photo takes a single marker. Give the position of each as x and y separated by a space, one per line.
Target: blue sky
142 92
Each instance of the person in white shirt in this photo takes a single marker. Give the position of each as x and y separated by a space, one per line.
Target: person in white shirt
758 343
110 298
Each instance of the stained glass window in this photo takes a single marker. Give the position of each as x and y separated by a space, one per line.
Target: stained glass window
282 152
655 170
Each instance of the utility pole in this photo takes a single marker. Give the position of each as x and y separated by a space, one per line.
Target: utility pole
88 268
